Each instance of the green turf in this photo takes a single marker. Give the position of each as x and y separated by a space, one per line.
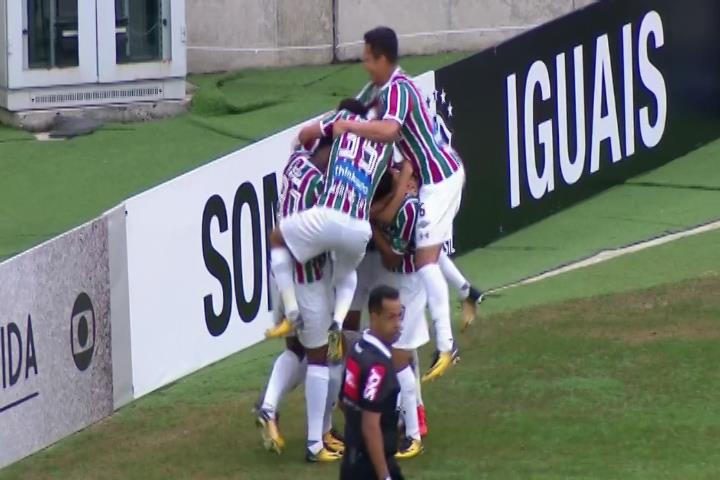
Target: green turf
686 258
50 187
255 103
621 385
547 403
681 194
47 188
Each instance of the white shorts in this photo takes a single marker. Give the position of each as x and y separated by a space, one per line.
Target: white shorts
315 301
368 276
414 332
439 203
320 229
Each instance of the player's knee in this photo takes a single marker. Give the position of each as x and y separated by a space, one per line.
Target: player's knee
276 238
427 255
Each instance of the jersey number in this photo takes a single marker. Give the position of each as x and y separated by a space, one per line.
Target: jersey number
349 149
288 191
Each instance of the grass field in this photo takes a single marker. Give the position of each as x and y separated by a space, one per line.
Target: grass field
606 372
611 374
49 187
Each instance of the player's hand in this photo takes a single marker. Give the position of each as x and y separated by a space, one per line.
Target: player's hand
340 127
335 347
412 187
295 144
406 170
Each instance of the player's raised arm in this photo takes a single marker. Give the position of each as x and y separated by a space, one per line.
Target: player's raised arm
324 126
384 131
310 133
400 184
387 128
390 259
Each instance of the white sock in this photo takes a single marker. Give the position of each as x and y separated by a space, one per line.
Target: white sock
336 371
418 384
300 374
406 377
282 263
282 380
439 305
316 392
453 275
344 292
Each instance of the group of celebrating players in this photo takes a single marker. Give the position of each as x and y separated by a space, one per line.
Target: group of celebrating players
359 229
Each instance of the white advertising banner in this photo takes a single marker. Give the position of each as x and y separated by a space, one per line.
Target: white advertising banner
55 359
197 263
198 257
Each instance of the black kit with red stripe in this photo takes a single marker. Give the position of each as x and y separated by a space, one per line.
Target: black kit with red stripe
370 383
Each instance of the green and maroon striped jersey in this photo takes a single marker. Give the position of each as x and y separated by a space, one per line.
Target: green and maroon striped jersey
355 168
368 95
402 233
302 184
401 100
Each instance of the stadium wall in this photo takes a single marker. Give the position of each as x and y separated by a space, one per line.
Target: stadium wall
230 34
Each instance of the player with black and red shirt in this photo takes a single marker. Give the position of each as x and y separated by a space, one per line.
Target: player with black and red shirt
370 392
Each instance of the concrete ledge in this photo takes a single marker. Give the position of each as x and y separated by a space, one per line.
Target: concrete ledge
44 120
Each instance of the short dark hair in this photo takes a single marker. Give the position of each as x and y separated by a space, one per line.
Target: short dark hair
384 186
383 42
325 141
380 294
353 105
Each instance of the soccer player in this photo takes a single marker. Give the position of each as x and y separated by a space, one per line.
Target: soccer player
370 392
469 296
405 119
288 371
384 213
339 224
302 184
396 246
370 266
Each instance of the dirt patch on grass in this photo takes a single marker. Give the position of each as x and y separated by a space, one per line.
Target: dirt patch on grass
688 310
701 331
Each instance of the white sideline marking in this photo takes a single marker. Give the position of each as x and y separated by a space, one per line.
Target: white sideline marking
613 253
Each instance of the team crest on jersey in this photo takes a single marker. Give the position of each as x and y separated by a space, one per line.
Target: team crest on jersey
442 111
296 171
374 382
351 388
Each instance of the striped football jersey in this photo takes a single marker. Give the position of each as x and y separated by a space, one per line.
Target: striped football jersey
302 184
401 100
402 233
355 168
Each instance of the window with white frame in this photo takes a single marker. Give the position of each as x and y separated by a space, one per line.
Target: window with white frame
142 30
51 28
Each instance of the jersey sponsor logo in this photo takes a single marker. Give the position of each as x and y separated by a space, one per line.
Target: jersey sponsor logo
351 388
374 381
349 174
